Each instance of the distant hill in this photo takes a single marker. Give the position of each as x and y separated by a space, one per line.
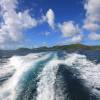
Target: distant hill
77 47
71 47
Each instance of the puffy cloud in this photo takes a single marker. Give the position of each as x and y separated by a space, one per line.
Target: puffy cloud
92 21
94 36
77 38
13 23
74 39
69 29
50 16
91 26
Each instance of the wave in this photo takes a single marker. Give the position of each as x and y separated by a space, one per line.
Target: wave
47 77
20 64
89 71
50 76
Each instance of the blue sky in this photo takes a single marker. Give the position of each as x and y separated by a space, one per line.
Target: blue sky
34 23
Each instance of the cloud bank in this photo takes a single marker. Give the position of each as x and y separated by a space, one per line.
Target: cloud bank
92 21
94 36
13 23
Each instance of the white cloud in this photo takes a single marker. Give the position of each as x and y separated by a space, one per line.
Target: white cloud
69 29
50 16
94 36
77 38
14 23
91 26
92 21
74 39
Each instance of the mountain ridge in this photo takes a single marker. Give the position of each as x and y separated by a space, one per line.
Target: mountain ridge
64 47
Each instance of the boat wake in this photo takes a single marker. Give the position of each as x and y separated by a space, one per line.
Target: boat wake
50 76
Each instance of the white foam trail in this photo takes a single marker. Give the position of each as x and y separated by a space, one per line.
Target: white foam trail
46 89
14 62
89 71
21 64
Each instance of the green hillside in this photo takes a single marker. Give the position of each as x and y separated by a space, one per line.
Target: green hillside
71 47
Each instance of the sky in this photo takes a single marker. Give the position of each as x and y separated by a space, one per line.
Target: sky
35 23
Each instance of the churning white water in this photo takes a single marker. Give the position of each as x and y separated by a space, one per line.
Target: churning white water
46 89
20 64
17 66
89 71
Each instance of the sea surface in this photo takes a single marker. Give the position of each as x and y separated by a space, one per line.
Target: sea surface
56 75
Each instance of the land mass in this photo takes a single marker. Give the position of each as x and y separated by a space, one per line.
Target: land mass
68 48
71 47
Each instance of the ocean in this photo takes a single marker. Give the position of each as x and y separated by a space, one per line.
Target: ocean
56 75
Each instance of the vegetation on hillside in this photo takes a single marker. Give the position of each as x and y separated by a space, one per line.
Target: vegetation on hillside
71 47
